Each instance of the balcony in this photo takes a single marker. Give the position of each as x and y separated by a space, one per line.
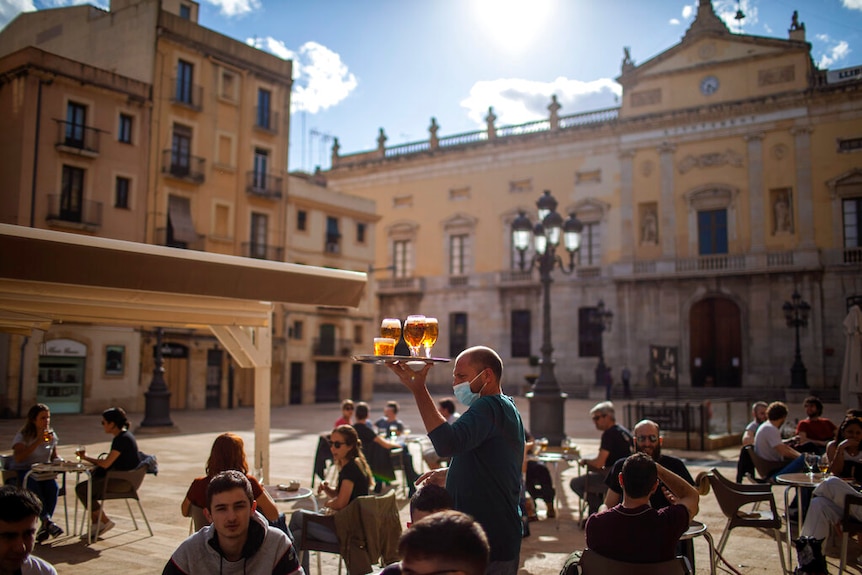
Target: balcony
262 252
332 244
161 239
263 185
187 95
399 286
266 120
459 281
331 347
77 139
183 167
87 215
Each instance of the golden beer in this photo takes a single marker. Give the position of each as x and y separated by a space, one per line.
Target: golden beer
391 327
384 346
414 332
431 331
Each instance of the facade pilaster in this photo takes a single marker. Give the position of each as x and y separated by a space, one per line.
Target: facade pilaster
757 217
627 204
804 186
668 219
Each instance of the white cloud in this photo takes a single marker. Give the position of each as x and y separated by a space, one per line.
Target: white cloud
232 8
837 52
726 10
688 11
9 9
320 79
516 101
822 37
852 4
674 21
767 28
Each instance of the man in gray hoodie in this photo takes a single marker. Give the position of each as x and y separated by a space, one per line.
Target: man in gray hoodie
239 540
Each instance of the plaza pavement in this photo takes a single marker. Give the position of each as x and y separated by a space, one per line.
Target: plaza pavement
295 430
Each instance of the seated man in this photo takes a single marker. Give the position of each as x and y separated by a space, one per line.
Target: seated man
238 539
769 446
19 514
444 542
381 465
758 416
815 431
632 530
615 444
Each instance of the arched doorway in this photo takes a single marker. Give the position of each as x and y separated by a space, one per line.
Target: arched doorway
716 343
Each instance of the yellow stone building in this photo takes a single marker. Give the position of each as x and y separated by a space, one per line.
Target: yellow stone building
729 177
194 126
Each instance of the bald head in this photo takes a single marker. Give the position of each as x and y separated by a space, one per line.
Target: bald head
648 438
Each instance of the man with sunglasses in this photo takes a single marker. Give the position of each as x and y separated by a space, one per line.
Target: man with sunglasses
647 439
615 445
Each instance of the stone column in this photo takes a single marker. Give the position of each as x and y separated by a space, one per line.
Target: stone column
757 225
627 204
804 187
667 210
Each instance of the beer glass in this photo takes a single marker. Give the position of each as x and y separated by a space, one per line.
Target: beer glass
391 327
431 331
414 333
384 346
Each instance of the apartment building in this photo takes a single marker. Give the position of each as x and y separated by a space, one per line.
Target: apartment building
196 152
727 180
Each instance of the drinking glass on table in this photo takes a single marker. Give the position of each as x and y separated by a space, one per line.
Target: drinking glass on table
430 337
812 462
80 451
414 333
824 464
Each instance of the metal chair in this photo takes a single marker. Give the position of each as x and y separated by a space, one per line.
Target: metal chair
198 519
124 485
594 564
849 524
733 497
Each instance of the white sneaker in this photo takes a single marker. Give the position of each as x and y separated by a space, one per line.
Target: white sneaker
106 526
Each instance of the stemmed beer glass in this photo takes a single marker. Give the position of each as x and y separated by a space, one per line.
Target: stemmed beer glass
430 338
414 333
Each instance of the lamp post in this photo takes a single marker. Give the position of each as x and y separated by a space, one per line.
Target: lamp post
796 314
546 398
157 409
602 319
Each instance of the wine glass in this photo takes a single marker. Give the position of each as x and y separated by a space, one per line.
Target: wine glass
431 331
414 333
824 464
811 462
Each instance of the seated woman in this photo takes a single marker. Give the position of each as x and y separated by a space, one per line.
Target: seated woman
354 480
122 457
37 443
227 453
846 457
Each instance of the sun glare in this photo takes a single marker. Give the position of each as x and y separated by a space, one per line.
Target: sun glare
512 25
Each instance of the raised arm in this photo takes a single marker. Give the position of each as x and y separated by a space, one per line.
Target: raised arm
682 492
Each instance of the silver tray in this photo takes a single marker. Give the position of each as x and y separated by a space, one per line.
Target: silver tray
384 359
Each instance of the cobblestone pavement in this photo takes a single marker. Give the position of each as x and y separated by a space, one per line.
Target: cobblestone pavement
295 429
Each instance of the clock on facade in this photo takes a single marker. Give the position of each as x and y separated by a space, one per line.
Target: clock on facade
709 85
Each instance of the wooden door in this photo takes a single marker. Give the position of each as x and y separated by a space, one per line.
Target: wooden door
716 343
177 378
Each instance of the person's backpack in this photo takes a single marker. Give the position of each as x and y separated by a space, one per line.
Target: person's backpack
572 566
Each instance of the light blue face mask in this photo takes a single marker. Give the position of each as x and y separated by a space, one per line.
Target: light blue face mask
464 394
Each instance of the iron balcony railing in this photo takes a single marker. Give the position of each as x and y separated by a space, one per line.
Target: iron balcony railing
332 347
263 185
262 251
65 209
183 166
266 119
77 138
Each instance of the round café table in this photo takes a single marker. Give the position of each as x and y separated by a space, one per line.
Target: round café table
698 529
285 496
797 481
558 458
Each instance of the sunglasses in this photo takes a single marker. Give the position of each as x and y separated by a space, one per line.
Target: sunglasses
598 416
337 444
644 438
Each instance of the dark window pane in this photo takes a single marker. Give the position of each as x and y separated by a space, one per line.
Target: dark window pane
121 198
589 336
521 335
457 333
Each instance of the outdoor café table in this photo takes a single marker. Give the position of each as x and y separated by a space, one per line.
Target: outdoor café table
799 481
77 468
283 495
554 457
696 529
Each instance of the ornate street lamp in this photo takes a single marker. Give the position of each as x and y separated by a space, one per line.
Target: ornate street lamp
546 398
602 319
157 408
796 313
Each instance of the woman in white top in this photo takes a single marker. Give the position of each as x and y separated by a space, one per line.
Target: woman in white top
35 443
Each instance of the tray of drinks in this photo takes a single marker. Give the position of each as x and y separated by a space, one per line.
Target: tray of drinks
384 359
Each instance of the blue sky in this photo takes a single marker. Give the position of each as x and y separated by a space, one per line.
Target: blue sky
365 64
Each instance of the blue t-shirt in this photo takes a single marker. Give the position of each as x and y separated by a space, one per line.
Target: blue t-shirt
487 449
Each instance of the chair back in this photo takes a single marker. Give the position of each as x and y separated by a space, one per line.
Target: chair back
594 564
123 484
732 497
764 468
198 518
10 475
